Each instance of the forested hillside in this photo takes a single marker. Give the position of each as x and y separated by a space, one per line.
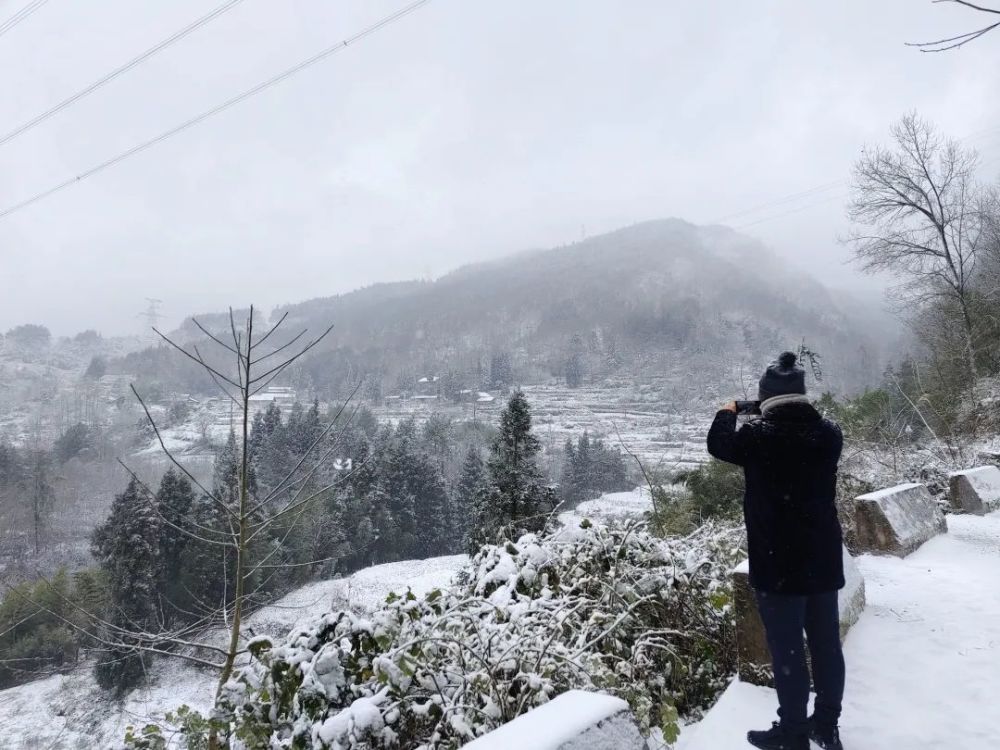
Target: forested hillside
662 298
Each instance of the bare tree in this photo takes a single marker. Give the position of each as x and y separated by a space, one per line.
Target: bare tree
919 213
250 516
942 45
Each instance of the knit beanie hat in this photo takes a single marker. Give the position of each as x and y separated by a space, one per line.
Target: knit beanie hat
781 377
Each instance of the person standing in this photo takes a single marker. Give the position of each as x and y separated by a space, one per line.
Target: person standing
789 457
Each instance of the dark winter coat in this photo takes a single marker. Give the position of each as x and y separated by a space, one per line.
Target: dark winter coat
789 458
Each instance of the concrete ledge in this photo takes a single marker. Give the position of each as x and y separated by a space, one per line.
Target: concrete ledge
975 491
577 720
754 658
897 520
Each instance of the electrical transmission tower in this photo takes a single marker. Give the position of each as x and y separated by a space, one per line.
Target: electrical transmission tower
151 316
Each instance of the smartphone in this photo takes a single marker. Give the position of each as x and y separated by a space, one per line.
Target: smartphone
748 407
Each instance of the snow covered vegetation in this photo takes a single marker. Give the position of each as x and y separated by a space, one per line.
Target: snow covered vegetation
598 607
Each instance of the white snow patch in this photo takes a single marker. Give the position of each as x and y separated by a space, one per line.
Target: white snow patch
633 504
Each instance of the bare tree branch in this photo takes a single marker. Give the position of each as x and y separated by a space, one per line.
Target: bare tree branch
954 42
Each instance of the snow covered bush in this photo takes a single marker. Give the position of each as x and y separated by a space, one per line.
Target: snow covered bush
609 608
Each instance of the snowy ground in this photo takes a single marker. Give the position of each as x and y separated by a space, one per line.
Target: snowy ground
69 712
666 435
923 663
629 505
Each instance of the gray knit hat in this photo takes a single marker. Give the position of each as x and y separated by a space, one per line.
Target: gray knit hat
783 376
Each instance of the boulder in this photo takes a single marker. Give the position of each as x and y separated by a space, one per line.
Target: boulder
897 520
576 720
852 596
754 658
975 490
752 655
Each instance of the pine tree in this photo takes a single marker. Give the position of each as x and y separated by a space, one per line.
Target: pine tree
568 485
609 470
590 468
396 493
308 428
127 547
269 448
470 485
501 370
205 564
516 499
574 363
174 500
435 522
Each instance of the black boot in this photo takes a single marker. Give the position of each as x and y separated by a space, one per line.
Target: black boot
778 738
827 736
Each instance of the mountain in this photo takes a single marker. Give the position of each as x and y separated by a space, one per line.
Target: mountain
654 298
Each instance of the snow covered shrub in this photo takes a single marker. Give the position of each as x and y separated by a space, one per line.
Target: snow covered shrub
609 608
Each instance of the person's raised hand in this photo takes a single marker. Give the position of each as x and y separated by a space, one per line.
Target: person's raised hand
731 406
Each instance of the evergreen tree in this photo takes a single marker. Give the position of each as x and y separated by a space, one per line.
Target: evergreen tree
226 473
567 485
269 448
174 500
437 439
307 430
396 493
501 370
127 547
609 473
470 485
206 563
76 440
435 521
590 468
354 509
516 499
574 362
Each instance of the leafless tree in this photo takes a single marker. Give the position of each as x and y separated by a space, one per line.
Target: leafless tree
250 517
919 213
257 360
954 42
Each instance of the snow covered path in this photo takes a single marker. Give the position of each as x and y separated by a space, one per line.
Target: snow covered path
923 663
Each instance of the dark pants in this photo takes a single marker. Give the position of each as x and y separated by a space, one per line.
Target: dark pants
785 618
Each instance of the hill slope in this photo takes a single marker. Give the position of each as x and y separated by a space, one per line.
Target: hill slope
641 301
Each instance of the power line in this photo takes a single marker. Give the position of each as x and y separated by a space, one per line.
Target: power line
159 47
839 196
253 91
780 201
20 15
990 133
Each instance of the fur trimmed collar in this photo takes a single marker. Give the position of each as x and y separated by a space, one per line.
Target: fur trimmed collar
788 398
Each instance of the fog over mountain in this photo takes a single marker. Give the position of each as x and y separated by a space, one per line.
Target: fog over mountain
458 134
646 300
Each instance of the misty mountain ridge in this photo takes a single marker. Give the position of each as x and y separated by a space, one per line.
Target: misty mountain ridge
653 297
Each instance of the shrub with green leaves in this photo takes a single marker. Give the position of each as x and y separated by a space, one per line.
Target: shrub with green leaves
609 608
40 624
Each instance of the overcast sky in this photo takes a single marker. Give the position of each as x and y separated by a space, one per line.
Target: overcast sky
467 130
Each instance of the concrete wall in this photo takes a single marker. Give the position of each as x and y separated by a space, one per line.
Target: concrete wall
576 720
